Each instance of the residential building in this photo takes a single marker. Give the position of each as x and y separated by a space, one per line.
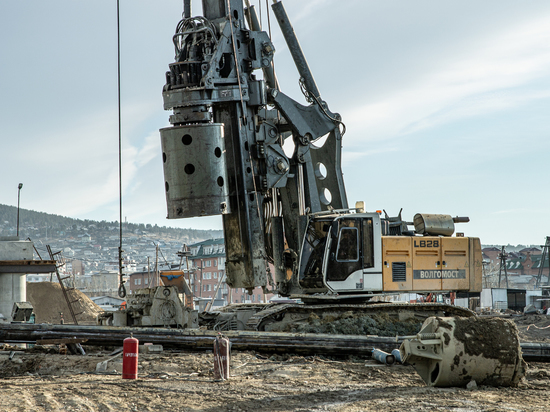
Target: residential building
141 280
104 283
207 267
108 303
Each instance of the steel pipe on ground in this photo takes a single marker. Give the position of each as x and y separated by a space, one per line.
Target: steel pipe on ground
194 339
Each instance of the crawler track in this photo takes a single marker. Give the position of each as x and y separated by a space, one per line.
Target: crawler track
266 318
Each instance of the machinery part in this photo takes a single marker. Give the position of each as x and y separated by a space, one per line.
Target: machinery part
397 355
455 351
160 306
435 225
194 170
130 349
383 357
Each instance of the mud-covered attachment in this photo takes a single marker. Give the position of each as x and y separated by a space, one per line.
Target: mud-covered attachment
455 351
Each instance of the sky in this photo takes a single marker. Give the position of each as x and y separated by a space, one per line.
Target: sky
446 104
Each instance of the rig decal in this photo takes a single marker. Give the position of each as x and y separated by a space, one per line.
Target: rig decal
438 274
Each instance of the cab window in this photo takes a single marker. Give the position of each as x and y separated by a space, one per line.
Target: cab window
348 245
368 244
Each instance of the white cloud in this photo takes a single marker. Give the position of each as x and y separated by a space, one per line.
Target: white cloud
477 83
349 156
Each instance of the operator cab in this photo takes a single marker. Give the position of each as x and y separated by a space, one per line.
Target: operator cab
342 254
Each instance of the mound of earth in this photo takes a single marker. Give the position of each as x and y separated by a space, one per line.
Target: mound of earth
48 302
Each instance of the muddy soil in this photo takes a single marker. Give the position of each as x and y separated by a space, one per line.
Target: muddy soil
184 382
350 323
533 328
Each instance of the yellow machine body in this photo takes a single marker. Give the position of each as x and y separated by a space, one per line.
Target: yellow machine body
431 263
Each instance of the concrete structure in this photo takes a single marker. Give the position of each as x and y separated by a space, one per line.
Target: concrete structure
13 286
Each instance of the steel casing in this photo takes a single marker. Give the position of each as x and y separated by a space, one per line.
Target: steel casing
195 171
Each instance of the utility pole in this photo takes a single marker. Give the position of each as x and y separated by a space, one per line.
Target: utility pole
503 256
157 265
18 199
484 274
545 256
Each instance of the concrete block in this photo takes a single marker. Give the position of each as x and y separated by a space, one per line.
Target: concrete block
149 348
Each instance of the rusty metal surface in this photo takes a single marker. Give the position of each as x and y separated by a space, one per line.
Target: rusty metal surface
60 341
195 339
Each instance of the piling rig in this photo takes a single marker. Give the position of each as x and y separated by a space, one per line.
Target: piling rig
287 224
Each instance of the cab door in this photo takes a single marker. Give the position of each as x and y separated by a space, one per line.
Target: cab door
344 257
455 263
352 258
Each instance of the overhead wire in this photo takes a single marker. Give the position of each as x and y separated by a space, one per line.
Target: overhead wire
121 288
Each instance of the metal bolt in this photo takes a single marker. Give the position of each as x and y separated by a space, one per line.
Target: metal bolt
281 166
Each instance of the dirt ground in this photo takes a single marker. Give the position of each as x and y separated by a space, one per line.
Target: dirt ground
173 381
33 380
533 328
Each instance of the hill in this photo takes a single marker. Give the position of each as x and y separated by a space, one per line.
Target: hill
40 225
